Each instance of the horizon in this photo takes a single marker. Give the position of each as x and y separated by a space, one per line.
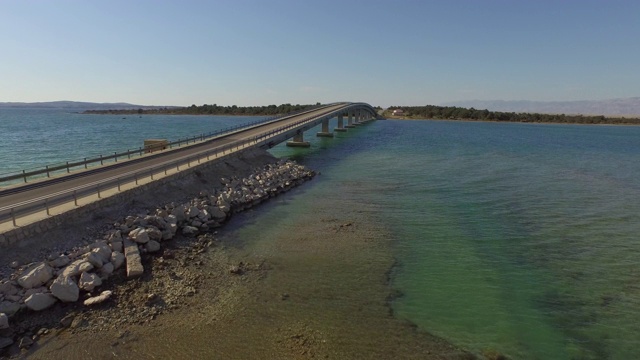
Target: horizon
385 53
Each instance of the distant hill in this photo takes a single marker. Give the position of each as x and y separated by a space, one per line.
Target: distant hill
627 106
76 105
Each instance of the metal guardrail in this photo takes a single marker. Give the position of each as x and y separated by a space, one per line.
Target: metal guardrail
73 165
15 211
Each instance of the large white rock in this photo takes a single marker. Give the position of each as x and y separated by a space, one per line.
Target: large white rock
39 302
35 276
95 260
65 289
117 259
89 281
139 235
98 299
77 267
154 234
102 249
4 321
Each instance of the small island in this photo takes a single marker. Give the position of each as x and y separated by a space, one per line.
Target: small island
205 109
471 114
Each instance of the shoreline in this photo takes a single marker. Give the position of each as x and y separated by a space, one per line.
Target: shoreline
199 263
390 117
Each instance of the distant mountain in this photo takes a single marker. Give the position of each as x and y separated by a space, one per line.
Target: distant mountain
628 106
76 105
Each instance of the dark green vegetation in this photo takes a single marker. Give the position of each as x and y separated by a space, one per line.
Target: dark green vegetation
459 113
212 110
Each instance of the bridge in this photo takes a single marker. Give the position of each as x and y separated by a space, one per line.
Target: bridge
62 188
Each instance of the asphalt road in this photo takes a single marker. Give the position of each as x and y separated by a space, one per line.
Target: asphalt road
76 179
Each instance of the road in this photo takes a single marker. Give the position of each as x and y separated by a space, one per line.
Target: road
46 188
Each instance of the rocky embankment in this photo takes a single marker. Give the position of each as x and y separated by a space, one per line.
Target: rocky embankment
86 276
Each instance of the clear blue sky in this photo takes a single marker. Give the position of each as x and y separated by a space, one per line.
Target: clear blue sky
257 52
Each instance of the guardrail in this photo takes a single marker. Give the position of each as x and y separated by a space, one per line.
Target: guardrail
45 203
86 162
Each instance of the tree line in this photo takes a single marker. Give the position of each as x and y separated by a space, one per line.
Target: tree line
211 110
460 113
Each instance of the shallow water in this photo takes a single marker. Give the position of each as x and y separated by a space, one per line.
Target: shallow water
521 238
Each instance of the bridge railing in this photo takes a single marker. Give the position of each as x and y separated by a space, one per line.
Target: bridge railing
101 159
47 203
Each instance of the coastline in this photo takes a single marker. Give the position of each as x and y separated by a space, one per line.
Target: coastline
213 302
391 117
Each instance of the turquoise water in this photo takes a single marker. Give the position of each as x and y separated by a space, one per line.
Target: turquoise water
518 238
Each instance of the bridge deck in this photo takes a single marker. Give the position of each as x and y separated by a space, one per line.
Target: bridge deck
50 187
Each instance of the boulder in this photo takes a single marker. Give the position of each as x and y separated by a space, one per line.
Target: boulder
152 246
117 259
115 237
4 321
167 234
132 256
154 234
156 221
35 276
139 235
189 230
95 260
39 302
60 261
106 270
65 289
179 213
117 246
102 249
37 290
193 212
172 219
218 214
89 281
7 288
77 267
105 295
9 308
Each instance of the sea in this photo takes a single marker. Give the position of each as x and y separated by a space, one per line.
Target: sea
512 238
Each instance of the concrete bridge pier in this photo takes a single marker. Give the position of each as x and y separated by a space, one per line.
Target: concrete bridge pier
325 129
340 124
298 141
358 117
350 120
